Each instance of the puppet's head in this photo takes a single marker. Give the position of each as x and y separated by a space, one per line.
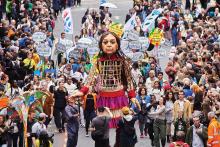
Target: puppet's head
109 43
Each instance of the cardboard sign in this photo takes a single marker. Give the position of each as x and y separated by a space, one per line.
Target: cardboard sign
135 56
39 36
156 36
124 44
116 28
132 35
92 51
134 45
74 54
81 45
144 43
60 47
159 53
43 49
67 43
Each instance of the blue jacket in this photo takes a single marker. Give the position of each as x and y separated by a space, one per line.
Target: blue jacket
146 101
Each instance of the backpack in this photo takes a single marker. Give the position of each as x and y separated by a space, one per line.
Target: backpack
128 129
99 133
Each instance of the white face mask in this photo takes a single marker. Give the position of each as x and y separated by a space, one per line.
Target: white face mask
128 117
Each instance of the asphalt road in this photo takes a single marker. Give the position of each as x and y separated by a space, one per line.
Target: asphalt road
118 15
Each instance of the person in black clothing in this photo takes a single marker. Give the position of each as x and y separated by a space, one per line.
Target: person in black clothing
31 121
89 111
125 134
3 132
60 96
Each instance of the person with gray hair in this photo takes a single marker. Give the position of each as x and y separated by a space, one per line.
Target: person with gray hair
211 115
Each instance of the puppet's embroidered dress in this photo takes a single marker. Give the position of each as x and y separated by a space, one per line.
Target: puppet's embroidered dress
112 80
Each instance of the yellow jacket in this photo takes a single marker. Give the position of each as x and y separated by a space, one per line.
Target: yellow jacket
28 61
187 111
213 134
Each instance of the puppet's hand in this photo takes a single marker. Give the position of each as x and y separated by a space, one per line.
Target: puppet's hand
136 103
77 94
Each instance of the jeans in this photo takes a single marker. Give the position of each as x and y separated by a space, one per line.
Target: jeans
102 143
150 130
59 117
159 132
142 127
72 140
89 115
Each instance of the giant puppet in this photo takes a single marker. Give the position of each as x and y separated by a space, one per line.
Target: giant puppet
111 75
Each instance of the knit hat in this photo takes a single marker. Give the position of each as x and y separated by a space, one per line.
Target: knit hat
125 110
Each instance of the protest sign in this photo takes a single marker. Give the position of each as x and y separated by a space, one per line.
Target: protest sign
73 54
134 45
60 47
124 44
156 37
81 45
132 35
135 56
144 43
116 28
92 50
67 43
43 49
39 36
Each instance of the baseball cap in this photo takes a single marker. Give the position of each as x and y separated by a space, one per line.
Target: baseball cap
125 110
41 115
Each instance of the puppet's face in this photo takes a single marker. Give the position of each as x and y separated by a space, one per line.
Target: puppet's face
109 44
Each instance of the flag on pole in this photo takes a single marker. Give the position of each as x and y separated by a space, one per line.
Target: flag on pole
102 2
68 22
131 23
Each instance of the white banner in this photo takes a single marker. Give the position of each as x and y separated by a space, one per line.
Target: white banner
131 23
149 22
68 22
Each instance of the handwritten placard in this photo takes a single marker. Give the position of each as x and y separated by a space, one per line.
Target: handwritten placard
60 47
39 36
43 49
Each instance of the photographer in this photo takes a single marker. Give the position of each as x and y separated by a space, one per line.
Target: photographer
13 131
3 132
100 124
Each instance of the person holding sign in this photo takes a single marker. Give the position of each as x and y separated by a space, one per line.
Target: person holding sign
113 77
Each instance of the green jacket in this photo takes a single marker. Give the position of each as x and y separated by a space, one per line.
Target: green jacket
9 5
203 135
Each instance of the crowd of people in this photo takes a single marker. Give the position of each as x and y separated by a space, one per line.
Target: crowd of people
180 105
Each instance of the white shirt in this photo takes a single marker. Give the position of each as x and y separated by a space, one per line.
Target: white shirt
181 103
13 92
197 142
149 84
70 88
157 92
77 75
38 127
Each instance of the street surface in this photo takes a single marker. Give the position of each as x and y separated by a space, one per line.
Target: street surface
118 15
